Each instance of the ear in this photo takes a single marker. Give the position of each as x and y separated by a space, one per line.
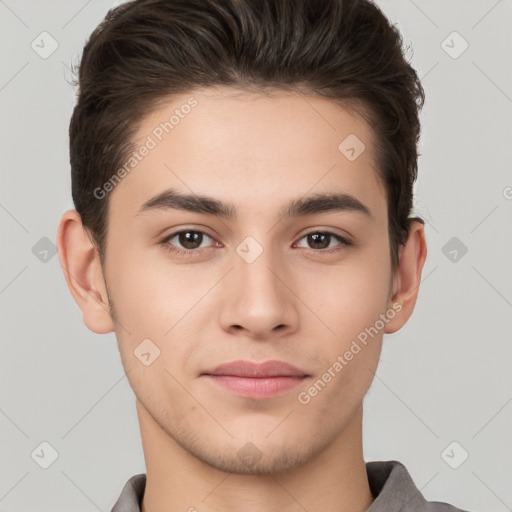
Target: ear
407 279
80 262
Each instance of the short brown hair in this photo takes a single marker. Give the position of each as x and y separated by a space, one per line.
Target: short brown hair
145 51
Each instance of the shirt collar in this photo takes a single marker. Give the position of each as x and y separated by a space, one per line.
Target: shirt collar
393 488
390 484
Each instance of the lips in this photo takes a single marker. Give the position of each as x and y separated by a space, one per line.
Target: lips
255 380
249 369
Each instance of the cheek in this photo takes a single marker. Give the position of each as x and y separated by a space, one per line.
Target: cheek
149 293
351 305
351 297
157 301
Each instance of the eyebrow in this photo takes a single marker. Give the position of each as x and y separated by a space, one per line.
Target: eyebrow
308 205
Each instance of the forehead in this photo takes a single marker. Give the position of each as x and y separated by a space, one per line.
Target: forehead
254 150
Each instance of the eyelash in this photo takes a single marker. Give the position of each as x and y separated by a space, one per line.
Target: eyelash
195 252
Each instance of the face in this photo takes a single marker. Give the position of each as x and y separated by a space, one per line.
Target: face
249 277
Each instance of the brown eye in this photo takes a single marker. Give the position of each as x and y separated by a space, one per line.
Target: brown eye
321 240
187 241
190 239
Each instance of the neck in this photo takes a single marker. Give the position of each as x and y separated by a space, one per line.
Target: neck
333 480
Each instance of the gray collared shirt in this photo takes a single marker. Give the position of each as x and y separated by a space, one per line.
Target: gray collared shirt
390 484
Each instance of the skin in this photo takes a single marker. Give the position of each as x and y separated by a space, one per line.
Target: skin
294 303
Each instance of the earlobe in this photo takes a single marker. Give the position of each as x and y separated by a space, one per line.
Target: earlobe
408 277
80 263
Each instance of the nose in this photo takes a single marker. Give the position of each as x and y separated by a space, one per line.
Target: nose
258 299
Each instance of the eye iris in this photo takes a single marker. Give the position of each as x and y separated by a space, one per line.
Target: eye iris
321 239
189 239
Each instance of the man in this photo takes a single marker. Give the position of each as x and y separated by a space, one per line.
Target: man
242 172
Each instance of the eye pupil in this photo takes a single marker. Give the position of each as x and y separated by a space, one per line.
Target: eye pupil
189 239
321 239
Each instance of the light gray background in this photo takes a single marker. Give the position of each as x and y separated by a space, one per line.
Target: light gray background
444 377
